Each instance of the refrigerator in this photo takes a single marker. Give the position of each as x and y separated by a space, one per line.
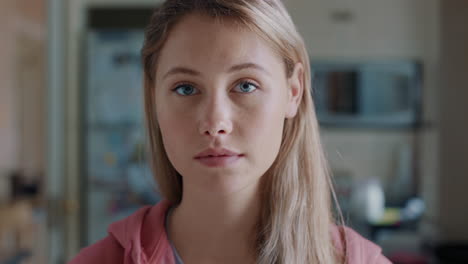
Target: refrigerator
117 179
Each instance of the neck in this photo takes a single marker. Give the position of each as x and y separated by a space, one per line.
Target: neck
215 228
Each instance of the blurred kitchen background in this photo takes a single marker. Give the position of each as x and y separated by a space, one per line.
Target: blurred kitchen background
390 85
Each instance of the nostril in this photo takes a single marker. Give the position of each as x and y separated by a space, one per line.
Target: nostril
215 132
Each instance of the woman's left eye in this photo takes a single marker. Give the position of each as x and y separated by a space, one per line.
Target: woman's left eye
246 87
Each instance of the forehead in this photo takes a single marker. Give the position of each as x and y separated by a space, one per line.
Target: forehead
201 41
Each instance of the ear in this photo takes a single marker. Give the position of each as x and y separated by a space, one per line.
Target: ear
295 90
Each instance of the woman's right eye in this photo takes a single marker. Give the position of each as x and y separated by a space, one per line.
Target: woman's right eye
185 89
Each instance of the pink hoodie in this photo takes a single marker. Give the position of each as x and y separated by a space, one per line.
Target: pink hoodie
141 239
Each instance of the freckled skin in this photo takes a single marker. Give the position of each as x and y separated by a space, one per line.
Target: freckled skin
217 113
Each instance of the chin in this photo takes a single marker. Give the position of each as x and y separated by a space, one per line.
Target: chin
223 182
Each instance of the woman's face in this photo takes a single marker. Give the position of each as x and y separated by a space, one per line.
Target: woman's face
222 87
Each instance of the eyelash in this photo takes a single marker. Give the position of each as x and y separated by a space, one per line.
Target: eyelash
240 82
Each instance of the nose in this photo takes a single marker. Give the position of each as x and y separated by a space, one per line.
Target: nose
215 118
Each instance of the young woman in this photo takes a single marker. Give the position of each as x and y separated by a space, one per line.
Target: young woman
235 146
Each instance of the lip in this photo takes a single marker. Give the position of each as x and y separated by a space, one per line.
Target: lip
218 157
216 152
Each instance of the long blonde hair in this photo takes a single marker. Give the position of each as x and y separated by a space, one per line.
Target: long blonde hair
296 215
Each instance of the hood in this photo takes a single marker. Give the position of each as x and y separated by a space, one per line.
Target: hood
357 248
143 235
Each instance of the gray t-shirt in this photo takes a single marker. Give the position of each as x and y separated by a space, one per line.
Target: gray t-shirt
177 258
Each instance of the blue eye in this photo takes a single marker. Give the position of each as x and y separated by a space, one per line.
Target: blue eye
184 89
247 87
188 89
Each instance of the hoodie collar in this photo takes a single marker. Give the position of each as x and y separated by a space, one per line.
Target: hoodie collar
143 236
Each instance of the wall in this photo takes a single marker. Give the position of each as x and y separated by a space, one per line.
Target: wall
8 139
8 151
22 94
453 121
30 84
22 105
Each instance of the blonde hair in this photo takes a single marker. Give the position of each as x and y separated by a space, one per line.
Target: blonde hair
296 214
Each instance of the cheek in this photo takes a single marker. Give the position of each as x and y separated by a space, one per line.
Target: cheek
174 128
172 117
264 132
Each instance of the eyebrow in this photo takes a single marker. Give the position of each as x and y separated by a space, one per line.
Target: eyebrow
238 67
